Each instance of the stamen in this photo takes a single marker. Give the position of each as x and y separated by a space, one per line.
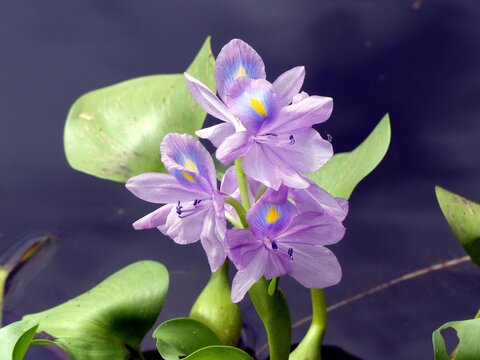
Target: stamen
274 245
329 138
292 140
181 211
290 253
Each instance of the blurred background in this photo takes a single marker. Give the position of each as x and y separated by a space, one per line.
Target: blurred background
418 60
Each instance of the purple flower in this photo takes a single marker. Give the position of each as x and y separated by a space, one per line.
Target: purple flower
284 240
194 208
269 125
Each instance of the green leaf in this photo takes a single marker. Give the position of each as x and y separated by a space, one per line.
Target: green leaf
215 309
115 132
15 339
183 336
468 332
110 320
344 171
463 216
219 353
275 315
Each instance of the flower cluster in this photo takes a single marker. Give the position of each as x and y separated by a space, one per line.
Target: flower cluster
270 127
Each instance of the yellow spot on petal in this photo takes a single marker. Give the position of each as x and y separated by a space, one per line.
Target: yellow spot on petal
273 215
258 107
240 72
187 176
190 165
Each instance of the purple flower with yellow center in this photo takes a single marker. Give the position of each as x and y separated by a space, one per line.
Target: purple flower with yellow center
194 208
284 240
269 125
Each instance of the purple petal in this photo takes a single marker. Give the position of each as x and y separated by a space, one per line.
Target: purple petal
305 113
289 84
307 154
299 97
254 102
186 229
237 59
234 147
279 264
313 228
157 218
212 238
161 189
314 266
188 160
248 276
268 219
241 247
264 165
315 198
217 133
209 101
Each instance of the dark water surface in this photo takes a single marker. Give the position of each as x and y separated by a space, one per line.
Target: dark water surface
418 60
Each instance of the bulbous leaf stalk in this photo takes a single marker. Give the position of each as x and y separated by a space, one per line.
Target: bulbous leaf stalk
215 309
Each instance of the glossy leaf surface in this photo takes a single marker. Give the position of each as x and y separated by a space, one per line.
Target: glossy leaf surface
115 132
110 320
468 332
183 336
463 216
15 339
344 171
219 353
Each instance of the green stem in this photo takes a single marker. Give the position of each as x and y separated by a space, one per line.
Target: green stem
242 184
478 315
310 347
239 209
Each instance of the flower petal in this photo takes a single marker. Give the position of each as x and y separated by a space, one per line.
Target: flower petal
304 113
241 247
254 102
314 198
212 239
264 165
188 160
157 218
237 59
217 133
187 229
234 147
267 219
161 189
245 278
307 153
313 228
209 101
314 266
289 84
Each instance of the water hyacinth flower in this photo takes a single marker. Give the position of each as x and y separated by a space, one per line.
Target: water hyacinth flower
194 207
269 125
284 240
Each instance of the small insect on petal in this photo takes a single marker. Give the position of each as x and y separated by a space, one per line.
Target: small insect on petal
273 215
258 107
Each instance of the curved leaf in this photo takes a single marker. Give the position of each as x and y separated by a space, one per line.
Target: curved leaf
15 339
219 353
463 216
468 332
110 320
344 171
115 132
183 336
215 309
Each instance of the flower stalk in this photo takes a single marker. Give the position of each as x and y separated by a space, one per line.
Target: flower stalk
310 347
